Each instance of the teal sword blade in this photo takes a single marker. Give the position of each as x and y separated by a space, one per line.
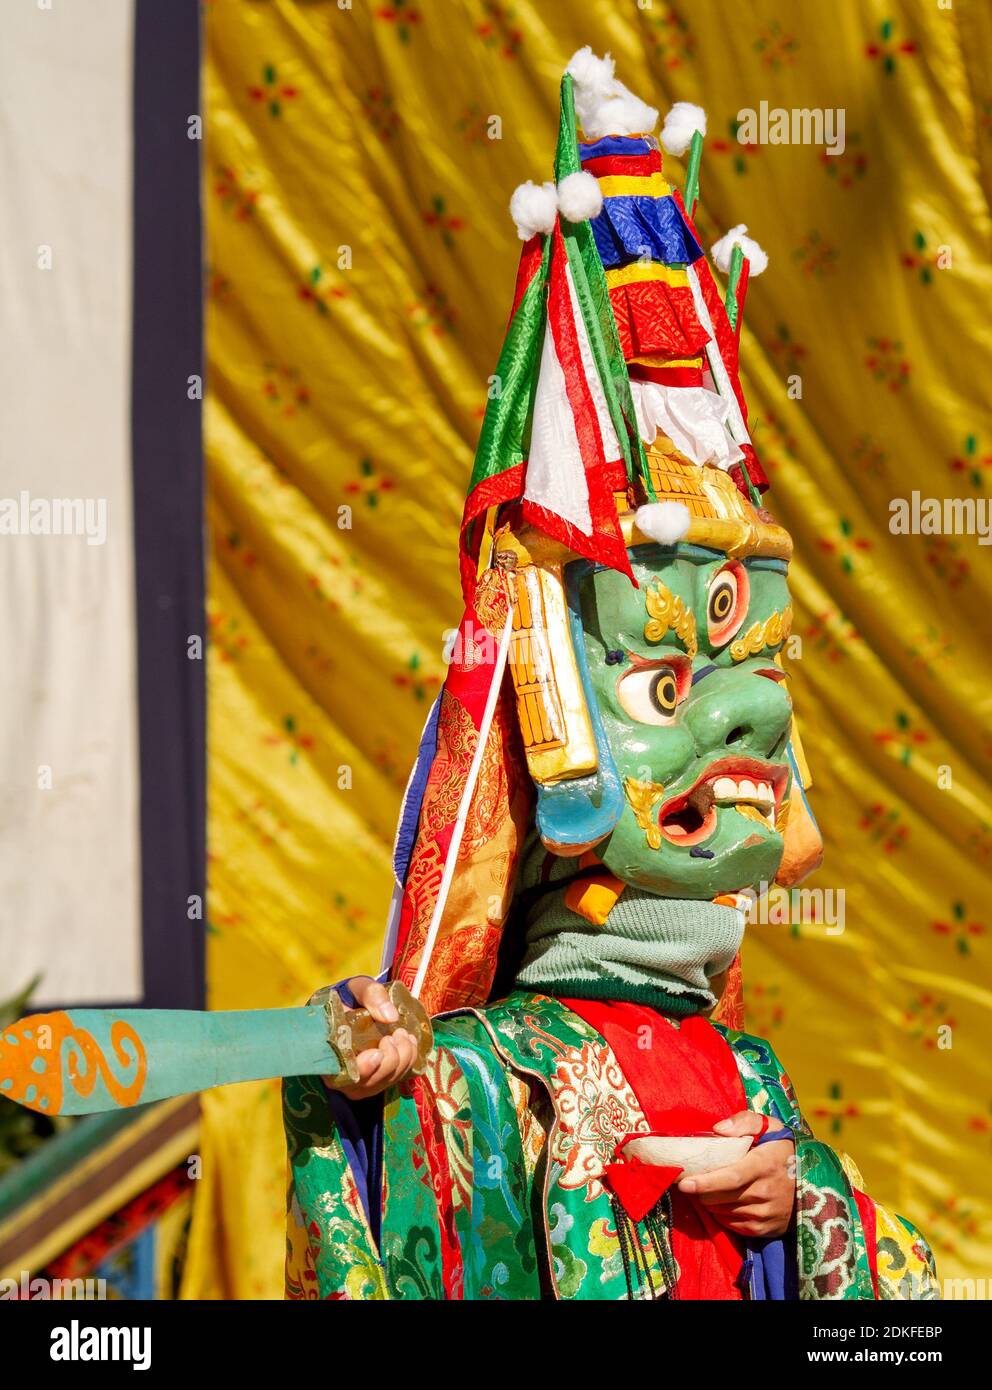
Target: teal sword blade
89 1060
83 1061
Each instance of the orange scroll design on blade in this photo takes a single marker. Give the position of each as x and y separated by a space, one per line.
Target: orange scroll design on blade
43 1056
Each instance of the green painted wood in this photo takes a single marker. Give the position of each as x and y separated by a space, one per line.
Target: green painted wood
692 174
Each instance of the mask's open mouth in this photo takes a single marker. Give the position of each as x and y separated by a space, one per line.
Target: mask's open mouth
753 788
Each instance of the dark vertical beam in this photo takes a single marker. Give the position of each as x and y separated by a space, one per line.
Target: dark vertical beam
167 464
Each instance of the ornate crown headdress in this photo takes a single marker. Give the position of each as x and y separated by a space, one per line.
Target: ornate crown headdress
616 420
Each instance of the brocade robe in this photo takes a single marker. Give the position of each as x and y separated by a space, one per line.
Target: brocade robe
492 1177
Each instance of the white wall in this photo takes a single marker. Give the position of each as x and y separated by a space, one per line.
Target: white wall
69 855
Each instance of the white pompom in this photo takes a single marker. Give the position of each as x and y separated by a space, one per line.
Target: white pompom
591 72
681 124
603 105
665 522
579 197
619 114
723 249
534 208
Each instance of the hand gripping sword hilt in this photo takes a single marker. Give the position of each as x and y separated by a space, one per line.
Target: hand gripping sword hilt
350 1031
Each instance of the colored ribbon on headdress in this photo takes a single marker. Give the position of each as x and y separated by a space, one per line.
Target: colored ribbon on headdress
561 371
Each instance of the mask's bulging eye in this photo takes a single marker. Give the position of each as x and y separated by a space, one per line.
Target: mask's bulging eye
651 694
727 603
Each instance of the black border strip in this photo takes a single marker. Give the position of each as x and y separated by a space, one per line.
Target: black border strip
167 470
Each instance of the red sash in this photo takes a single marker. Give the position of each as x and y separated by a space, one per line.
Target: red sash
685 1079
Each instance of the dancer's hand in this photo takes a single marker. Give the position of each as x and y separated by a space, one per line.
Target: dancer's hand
756 1195
392 1057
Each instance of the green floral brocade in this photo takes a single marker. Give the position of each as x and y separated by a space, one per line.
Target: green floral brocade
492 1175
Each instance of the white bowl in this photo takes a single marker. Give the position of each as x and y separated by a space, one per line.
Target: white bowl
693 1153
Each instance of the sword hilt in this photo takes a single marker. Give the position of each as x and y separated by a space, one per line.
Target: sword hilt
351 1031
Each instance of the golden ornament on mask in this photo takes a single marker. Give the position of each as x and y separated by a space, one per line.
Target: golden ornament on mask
770 633
668 611
643 797
542 725
676 479
551 703
720 518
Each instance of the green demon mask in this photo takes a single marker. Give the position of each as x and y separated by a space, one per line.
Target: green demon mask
656 719
695 714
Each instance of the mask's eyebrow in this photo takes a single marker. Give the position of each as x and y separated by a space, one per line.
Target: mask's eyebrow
703 673
676 661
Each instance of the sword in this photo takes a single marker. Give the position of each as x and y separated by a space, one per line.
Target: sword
83 1061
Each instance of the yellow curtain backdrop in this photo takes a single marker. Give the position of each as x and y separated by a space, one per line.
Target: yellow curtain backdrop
358 164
